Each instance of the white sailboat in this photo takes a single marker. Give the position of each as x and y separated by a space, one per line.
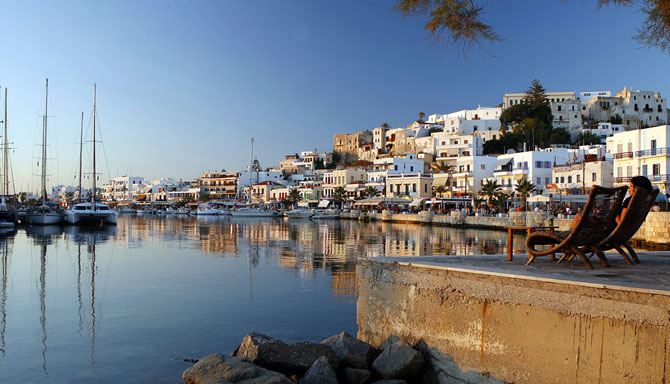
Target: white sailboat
44 215
92 213
7 218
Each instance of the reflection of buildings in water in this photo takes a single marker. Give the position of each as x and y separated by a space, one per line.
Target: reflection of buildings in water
344 283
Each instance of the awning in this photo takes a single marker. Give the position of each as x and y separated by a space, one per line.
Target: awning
415 202
539 199
502 162
324 203
353 187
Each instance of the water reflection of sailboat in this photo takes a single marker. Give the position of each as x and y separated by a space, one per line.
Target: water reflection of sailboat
43 236
90 235
4 257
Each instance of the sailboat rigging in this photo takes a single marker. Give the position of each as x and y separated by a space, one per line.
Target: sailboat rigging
44 214
91 213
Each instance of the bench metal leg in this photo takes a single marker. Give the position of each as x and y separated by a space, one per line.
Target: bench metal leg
631 251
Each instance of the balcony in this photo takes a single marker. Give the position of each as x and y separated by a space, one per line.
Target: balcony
622 180
653 152
659 178
648 110
623 155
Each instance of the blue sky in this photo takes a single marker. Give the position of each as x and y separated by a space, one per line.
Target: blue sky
183 86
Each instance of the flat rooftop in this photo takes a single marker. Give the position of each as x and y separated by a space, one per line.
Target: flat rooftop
651 275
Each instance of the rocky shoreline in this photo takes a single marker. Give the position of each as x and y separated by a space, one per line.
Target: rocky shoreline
342 358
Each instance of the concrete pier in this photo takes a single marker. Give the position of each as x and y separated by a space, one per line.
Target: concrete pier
545 323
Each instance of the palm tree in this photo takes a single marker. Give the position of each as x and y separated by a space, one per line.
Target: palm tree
339 194
524 188
490 189
501 199
371 192
385 125
294 196
442 167
438 191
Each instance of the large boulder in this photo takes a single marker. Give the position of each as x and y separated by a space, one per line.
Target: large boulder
392 339
398 362
220 369
350 351
278 356
320 373
354 376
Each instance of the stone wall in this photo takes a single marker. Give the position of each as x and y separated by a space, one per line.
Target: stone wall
655 230
518 329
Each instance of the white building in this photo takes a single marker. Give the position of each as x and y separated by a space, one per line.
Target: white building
642 152
123 188
535 166
635 108
567 115
579 177
246 178
604 130
449 146
510 99
471 171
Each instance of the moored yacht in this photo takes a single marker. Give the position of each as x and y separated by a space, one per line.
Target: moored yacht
44 214
92 213
87 214
300 213
253 212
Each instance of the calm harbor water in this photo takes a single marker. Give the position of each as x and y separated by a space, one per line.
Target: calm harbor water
130 303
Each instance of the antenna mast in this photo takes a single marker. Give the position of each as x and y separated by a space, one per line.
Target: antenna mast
81 143
44 146
5 156
94 174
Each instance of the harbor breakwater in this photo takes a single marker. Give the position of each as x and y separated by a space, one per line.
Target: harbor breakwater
516 327
653 232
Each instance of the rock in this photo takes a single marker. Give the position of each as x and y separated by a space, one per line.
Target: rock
442 368
320 373
350 351
277 356
392 339
398 362
220 369
354 376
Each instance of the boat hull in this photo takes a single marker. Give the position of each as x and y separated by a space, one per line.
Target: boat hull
91 218
44 218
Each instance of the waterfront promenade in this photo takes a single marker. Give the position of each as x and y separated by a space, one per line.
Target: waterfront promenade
547 322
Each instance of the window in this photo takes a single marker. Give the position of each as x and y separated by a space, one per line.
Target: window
538 164
629 171
578 178
562 179
538 180
483 166
556 179
414 187
559 108
547 180
644 170
569 179
425 188
395 167
593 177
411 168
657 169
547 164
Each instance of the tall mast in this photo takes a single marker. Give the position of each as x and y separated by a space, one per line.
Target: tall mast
44 146
94 175
251 164
81 142
5 156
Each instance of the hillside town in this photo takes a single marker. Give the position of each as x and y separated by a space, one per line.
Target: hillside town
596 138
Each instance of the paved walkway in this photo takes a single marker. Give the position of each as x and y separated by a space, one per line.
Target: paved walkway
653 272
